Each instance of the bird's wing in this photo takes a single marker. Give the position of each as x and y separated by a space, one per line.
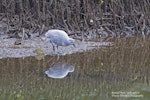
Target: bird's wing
61 33
55 39
57 36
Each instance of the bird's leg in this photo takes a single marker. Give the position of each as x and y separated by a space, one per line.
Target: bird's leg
53 46
57 47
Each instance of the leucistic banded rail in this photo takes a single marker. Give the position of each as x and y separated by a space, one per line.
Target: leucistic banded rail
59 37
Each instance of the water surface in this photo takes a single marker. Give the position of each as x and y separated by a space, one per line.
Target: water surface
108 73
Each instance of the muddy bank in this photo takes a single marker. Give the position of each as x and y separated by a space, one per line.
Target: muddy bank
8 47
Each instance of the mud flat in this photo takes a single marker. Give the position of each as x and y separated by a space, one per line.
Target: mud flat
27 47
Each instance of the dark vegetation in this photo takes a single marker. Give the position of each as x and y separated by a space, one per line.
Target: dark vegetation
101 18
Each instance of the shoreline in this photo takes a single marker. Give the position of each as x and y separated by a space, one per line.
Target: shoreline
27 47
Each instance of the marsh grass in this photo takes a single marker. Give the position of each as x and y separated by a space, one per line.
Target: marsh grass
99 72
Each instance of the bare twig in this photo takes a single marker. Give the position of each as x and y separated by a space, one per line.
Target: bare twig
23 33
43 26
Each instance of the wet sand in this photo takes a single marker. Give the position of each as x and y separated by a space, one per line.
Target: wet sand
28 47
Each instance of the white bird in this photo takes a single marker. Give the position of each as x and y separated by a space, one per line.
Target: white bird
59 37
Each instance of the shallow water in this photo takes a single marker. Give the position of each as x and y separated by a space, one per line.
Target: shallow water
110 73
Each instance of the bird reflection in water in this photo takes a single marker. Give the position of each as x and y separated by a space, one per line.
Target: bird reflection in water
59 70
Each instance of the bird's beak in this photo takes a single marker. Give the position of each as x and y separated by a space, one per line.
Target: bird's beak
43 38
74 45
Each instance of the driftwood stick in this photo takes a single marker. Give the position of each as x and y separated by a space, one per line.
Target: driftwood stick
23 33
43 26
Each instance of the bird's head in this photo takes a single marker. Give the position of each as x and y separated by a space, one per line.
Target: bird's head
71 42
47 34
46 37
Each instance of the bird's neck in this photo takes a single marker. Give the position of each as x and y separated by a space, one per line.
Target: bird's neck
67 42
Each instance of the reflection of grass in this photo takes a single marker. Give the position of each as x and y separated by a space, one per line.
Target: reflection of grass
146 95
51 89
124 67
